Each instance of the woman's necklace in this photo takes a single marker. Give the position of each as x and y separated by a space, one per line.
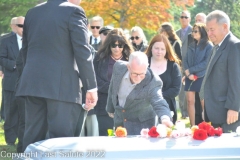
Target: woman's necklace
116 58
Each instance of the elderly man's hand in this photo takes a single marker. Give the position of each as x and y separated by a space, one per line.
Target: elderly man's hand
167 122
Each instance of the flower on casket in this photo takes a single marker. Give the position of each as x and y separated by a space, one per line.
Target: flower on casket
218 131
238 130
121 132
153 132
200 134
144 132
204 130
162 131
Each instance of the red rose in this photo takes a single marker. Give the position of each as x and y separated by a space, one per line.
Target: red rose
195 77
218 131
153 132
211 131
200 134
204 125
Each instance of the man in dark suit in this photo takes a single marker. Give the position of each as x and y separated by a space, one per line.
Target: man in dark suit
182 33
135 95
13 28
14 109
96 23
56 56
222 80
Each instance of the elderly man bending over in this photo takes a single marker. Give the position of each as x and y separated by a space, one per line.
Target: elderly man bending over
135 96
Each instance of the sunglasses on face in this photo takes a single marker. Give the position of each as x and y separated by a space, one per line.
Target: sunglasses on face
195 31
115 45
92 27
19 25
186 17
132 38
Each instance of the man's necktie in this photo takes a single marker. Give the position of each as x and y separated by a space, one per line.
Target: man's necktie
95 40
201 94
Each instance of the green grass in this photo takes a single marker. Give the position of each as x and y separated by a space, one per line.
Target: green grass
3 146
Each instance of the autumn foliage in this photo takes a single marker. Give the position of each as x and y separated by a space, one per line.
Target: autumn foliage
128 13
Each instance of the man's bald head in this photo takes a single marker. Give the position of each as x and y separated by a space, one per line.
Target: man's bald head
200 18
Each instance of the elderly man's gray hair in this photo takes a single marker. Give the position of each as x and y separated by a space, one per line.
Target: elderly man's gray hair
220 16
140 57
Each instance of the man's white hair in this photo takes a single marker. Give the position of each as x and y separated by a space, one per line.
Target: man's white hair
98 19
140 57
220 16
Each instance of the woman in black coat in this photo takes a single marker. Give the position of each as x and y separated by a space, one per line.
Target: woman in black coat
115 47
164 62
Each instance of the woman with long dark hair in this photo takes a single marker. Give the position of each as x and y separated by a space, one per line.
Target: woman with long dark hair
115 47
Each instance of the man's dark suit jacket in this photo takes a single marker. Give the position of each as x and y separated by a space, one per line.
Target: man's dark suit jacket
2 37
8 54
57 58
222 85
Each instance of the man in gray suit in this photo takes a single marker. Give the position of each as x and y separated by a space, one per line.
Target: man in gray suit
56 56
183 33
222 79
135 95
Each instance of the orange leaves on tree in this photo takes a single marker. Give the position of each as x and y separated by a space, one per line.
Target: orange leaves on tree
128 13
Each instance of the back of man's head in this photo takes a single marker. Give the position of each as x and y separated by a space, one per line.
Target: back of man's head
200 18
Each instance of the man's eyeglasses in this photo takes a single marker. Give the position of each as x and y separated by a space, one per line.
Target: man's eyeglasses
195 31
92 27
19 25
186 17
132 38
136 74
115 45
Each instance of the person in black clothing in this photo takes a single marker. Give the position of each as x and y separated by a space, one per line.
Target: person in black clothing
138 39
165 63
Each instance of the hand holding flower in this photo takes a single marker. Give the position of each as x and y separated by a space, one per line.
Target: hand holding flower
194 78
167 122
191 77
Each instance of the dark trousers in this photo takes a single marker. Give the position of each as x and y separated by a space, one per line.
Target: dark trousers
57 117
104 123
198 109
11 117
21 122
